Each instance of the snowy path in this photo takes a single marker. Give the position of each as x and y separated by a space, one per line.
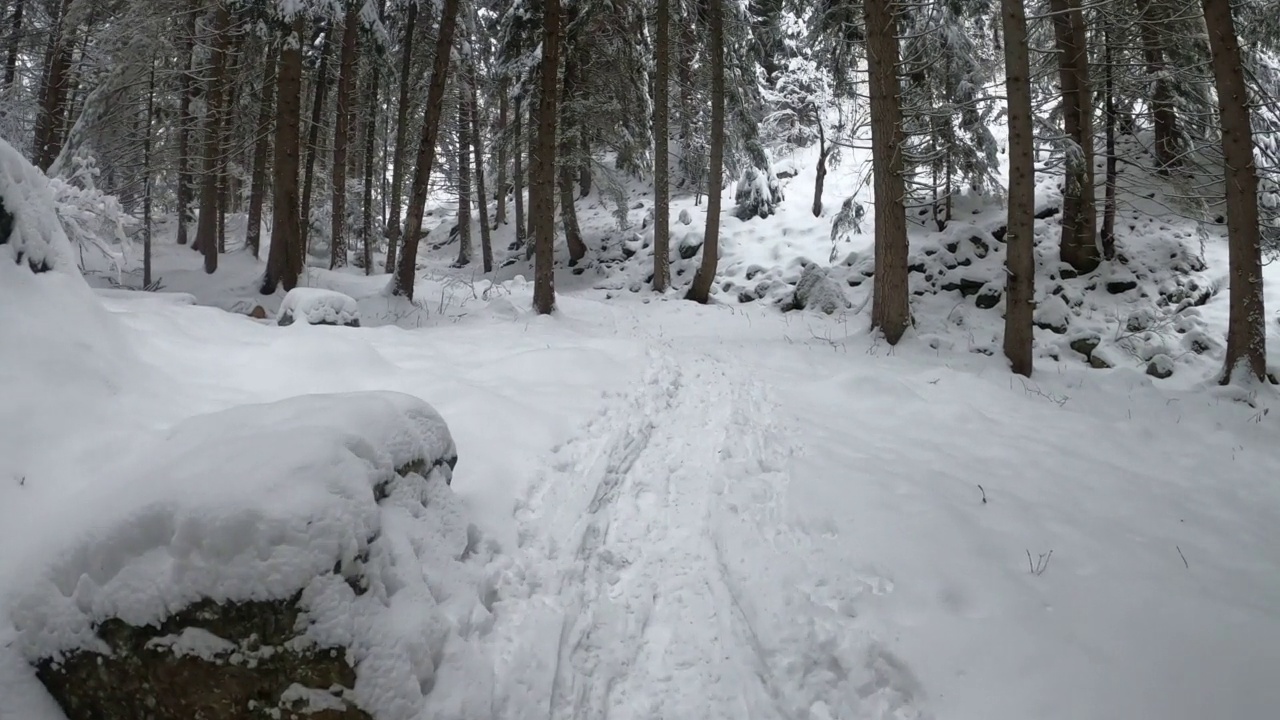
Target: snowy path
676 584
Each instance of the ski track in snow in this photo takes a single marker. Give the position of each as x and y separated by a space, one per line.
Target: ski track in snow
680 588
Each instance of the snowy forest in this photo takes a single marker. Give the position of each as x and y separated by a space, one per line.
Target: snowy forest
406 359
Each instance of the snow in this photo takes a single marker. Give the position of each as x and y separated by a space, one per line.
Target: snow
662 509
37 236
317 306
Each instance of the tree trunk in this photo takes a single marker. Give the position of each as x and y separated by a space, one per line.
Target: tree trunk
186 123
700 290
408 267
206 230
1020 261
543 172
230 71
477 142
1079 247
1109 106
53 94
584 165
146 182
820 177
313 138
1167 136
342 134
890 305
370 150
284 263
261 146
517 152
569 126
464 178
533 151
15 41
500 192
661 165
402 138
1246 328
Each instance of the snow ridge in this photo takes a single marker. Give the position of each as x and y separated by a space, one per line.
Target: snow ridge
676 582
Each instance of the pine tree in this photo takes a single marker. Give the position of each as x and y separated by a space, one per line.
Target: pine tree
407 271
1246 327
543 173
1020 260
890 306
700 290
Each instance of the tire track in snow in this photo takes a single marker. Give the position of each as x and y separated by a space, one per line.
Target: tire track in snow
680 589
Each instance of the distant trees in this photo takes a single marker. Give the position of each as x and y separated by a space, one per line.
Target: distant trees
327 123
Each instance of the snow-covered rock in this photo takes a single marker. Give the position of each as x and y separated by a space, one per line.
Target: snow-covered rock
315 306
257 548
818 291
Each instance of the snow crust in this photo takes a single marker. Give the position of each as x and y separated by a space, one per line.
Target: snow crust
316 306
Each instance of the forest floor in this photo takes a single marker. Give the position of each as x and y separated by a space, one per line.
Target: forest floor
726 511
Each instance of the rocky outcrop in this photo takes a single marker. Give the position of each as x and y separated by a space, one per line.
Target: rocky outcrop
213 661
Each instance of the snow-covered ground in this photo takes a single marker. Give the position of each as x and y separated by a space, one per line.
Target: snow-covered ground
717 512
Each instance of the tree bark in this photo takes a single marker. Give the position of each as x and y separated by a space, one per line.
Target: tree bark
543 172
1079 247
186 123
820 177
53 95
1020 262
1246 327
210 181
890 305
146 184
370 150
402 137
230 71
342 134
700 289
1168 141
517 152
408 265
261 148
661 137
477 142
284 263
500 192
569 126
464 178
530 233
1109 109
15 41
313 137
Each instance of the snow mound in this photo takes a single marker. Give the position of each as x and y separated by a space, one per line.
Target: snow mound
315 306
817 291
340 500
29 227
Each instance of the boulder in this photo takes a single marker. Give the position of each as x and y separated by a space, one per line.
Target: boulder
254 586
817 291
210 660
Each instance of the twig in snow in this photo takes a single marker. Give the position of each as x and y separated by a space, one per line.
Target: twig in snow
1058 400
984 501
1039 565
1184 557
